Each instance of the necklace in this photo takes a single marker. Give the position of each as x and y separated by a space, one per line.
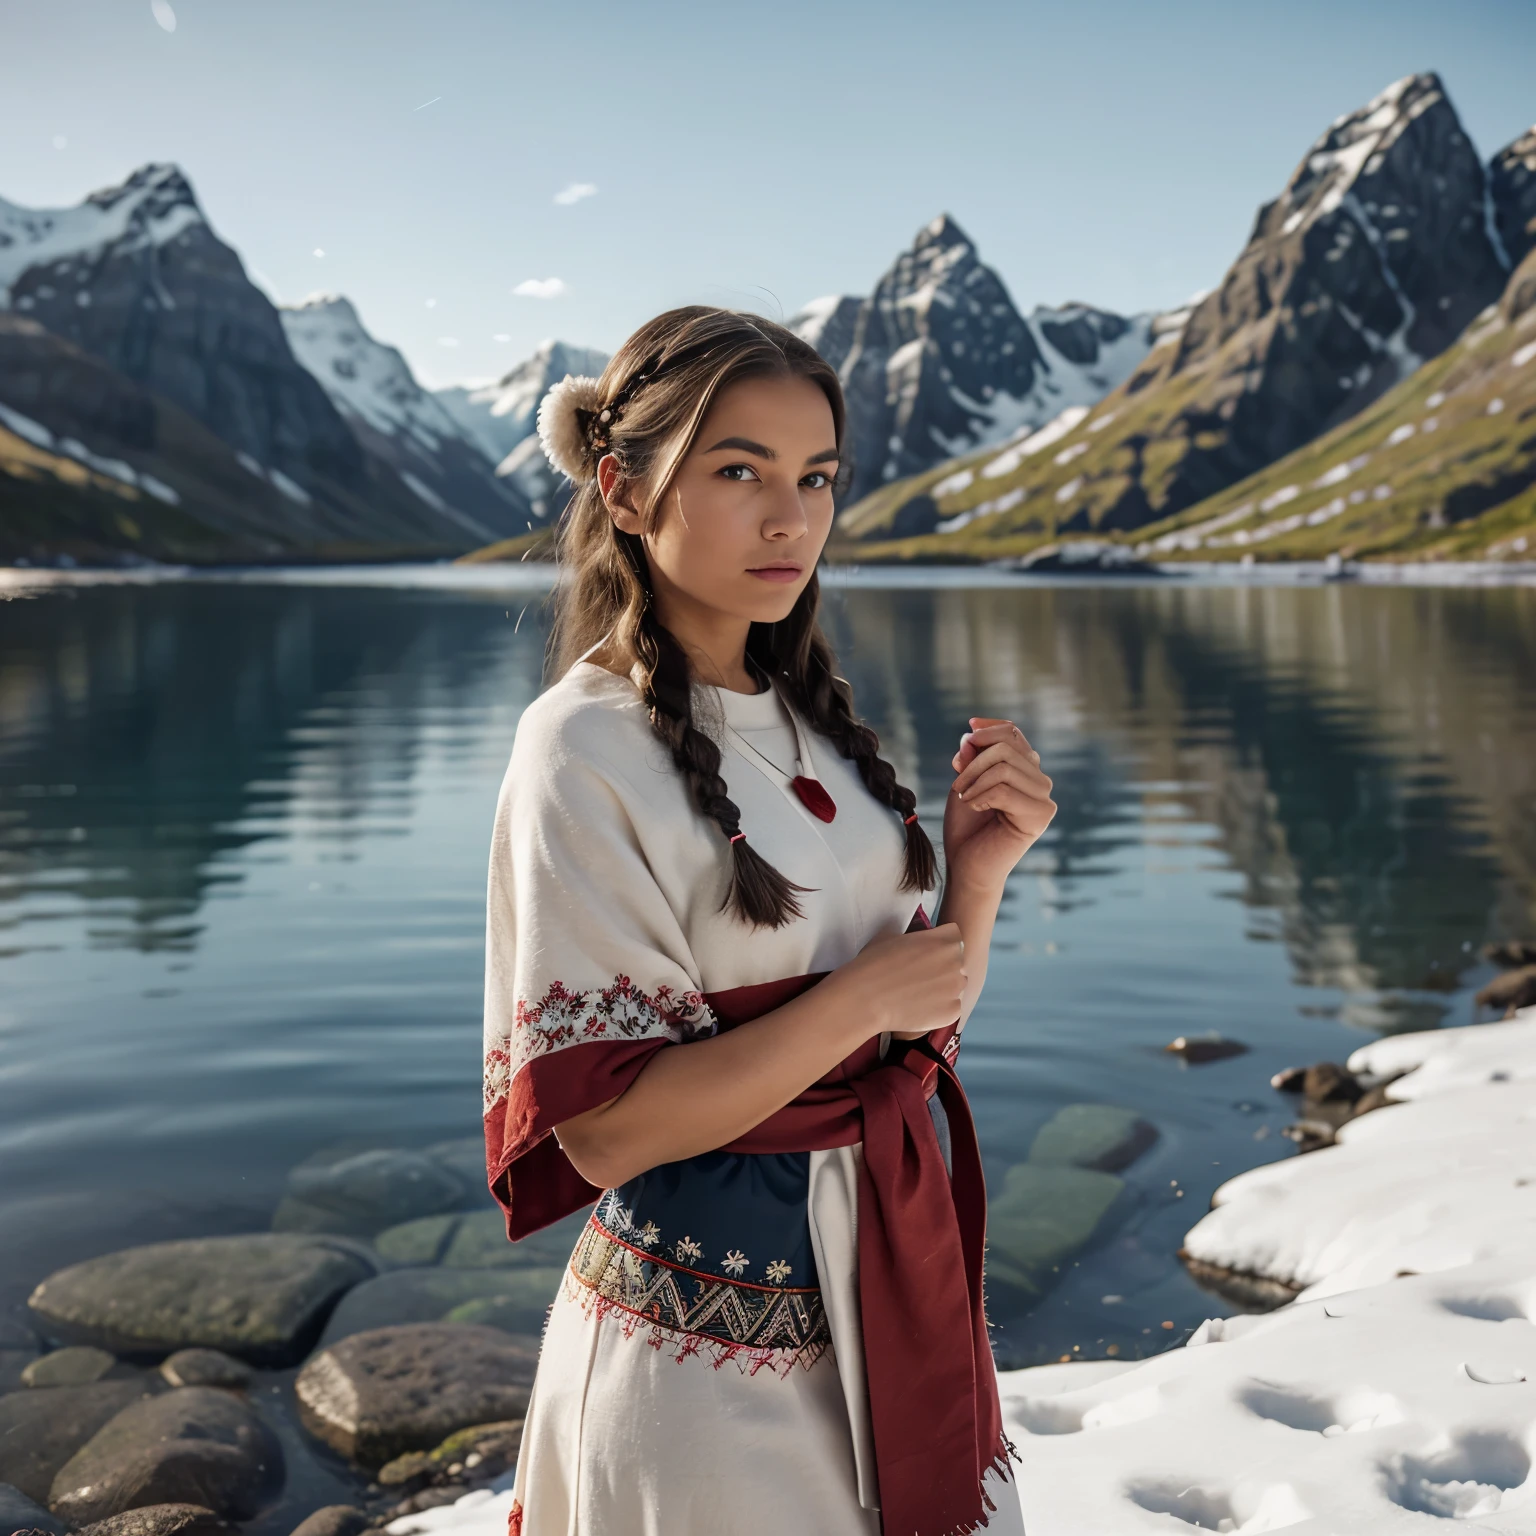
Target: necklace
812 793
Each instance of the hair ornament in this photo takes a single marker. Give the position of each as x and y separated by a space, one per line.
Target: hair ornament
564 414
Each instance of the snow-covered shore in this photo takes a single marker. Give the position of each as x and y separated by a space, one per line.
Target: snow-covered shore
1397 1392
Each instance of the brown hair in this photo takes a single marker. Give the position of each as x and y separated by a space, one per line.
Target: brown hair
658 388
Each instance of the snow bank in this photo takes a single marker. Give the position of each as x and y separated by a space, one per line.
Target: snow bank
1376 1412
1397 1391
1444 1179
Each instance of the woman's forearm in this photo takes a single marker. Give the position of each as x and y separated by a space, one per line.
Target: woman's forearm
974 910
709 1092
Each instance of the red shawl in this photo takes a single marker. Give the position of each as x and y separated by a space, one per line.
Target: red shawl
934 1406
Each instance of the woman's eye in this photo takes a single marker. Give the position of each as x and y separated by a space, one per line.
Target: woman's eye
817 480
739 472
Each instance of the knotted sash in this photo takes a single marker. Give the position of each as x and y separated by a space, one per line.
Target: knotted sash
934 1409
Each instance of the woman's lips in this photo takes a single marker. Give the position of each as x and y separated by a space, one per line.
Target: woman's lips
776 572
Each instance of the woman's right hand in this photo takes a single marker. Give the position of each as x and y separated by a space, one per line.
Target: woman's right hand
905 983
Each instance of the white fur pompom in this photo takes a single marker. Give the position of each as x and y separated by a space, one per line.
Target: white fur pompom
560 433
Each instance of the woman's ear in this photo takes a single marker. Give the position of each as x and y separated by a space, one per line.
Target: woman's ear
615 495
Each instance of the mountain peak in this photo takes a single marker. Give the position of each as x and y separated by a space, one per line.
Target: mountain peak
942 233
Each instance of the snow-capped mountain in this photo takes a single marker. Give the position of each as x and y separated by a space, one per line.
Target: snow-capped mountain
373 387
1379 251
941 362
501 419
136 277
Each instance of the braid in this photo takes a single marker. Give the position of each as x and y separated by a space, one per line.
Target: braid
758 893
827 701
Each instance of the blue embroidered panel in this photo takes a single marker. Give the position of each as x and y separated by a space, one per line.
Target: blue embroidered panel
739 1215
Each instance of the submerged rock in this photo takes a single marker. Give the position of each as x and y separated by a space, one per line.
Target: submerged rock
261 1296
204 1368
42 1427
1198 1049
1097 1136
333 1520
76 1366
360 1193
192 1445
376 1395
161 1520
514 1300
1327 1082
1042 1216
19 1513
477 1240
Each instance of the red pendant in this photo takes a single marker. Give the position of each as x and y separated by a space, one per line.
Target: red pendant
815 799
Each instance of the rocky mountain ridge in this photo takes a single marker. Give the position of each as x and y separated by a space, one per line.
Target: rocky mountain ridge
1383 246
938 361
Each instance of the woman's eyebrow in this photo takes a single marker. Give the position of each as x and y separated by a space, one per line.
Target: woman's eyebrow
825 456
744 445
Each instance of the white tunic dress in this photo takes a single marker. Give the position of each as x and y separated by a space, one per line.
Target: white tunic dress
702 1366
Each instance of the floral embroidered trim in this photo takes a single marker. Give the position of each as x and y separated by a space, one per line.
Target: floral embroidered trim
620 1223
621 1011
696 1316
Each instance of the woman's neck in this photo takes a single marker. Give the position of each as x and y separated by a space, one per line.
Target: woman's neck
715 643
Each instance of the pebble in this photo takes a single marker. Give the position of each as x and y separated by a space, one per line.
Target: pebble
75 1366
1199 1049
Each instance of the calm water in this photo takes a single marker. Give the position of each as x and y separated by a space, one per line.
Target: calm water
243 834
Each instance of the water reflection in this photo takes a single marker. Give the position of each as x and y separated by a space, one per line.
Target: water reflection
243 834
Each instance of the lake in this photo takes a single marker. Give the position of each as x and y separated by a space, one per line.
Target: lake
244 828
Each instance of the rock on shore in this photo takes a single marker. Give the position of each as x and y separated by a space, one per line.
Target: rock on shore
191 1445
263 1297
377 1395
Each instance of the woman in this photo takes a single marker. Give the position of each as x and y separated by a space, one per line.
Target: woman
772 1320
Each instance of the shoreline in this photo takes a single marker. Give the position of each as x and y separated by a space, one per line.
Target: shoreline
533 576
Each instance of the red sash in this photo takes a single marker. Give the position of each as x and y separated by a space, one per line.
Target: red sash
934 1406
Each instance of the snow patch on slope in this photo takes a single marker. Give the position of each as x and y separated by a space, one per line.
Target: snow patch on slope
364 378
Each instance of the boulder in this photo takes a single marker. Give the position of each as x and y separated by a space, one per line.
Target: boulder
1289 1079
13 1365
1097 1136
1042 1216
511 1299
1513 990
42 1427
262 1296
333 1520
76 1366
161 1520
192 1445
360 1193
19 1513
204 1368
376 1395
1198 1049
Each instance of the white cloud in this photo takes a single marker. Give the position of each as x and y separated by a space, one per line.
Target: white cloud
162 12
501 336
575 192
447 341
540 288
318 251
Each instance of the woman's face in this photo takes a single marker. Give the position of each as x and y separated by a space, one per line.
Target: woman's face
742 526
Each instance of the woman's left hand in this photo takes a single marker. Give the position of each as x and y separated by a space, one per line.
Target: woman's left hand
999 804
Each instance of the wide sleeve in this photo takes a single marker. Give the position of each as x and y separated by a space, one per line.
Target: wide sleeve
587 968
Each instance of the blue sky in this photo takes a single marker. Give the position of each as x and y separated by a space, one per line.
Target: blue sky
752 155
